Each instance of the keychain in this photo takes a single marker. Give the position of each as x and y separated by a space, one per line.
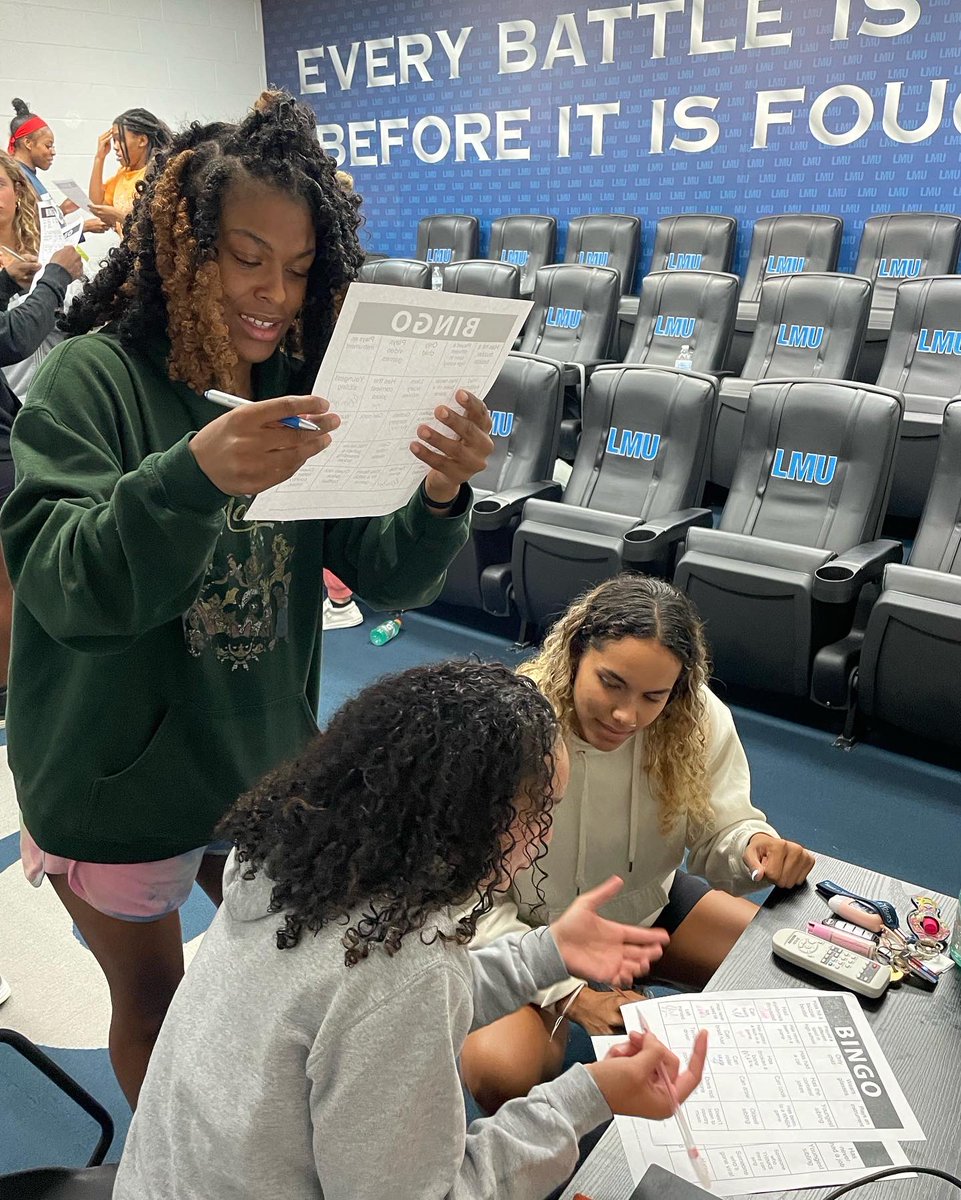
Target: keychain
924 921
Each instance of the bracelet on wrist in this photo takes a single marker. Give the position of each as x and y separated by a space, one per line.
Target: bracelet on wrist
437 504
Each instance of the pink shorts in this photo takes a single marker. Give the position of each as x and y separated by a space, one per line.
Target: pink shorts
127 891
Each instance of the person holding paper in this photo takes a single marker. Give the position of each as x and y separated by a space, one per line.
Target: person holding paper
167 648
349 992
136 136
32 145
657 771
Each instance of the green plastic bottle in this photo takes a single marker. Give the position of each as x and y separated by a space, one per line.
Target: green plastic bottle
381 634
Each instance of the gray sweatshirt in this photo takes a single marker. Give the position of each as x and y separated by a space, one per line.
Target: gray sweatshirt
283 1074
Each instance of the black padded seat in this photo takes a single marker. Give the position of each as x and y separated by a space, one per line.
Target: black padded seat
528 240
694 242
923 361
481 277
398 272
605 240
685 308
808 325
781 575
637 474
525 406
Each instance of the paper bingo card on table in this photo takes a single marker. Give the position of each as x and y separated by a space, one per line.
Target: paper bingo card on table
396 353
783 1066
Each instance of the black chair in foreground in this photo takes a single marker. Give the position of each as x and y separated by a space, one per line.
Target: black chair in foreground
525 407
529 241
400 272
923 361
901 663
481 277
807 325
93 1182
685 310
637 474
781 575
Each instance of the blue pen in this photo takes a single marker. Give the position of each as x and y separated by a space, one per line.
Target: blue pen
226 400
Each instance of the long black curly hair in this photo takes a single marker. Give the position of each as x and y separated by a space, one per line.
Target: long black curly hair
165 274
412 800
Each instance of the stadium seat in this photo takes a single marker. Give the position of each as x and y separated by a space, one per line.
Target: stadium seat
694 242
786 244
525 405
808 325
481 277
627 506
895 247
923 361
401 272
781 575
904 667
445 238
529 241
605 240
685 308
572 321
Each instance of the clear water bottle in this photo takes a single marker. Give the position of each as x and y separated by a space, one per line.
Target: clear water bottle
437 279
685 360
381 634
955 948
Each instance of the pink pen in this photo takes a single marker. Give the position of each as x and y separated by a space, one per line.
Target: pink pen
847 940
697 1160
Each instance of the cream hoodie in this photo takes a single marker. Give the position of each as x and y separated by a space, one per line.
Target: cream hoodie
607 824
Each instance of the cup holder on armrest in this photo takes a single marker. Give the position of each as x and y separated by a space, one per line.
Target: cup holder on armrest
486 506
830 573
643 534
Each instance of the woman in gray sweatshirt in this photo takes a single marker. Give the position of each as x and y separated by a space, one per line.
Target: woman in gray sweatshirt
312 1048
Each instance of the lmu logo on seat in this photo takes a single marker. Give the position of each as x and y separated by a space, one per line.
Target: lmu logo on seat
804 467
632 443
564 318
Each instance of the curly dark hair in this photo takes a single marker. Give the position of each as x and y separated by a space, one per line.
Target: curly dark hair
165 273
412 800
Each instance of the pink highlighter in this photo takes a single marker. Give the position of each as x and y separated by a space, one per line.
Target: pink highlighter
846 940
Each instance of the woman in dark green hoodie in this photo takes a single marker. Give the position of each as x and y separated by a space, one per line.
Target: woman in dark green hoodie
166 648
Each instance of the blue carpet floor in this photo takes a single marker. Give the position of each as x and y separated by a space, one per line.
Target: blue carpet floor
887 811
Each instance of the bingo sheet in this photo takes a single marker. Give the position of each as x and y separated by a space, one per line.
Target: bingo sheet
396 353
793 1065
741 1170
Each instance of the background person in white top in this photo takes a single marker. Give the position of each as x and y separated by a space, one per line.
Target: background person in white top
657 769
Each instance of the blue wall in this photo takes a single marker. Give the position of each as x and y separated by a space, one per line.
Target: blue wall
878 170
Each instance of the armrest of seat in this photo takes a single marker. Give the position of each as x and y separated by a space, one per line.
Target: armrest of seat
500 508
742 547
840 580
652 539
572 518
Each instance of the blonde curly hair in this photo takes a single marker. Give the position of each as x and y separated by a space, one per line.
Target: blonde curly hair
675 745
26 223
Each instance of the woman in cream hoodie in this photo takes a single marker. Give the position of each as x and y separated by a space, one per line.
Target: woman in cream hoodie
657 770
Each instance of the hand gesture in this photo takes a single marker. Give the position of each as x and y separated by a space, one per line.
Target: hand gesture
107 214
103 144
630 1076
21 270
70 260
599 1013
247 450
594 948
95 225
785 864
454 460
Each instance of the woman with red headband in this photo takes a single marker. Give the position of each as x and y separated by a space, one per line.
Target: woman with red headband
32 145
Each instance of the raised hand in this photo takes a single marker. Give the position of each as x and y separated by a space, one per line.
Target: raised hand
594 948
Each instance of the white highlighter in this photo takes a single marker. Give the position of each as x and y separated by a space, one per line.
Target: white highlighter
856 913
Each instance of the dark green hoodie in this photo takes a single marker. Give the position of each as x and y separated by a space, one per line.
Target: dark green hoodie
166 651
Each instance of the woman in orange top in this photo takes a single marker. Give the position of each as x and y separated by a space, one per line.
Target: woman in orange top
136 136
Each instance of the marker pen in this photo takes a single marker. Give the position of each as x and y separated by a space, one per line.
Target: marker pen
855 944
856 913
226 400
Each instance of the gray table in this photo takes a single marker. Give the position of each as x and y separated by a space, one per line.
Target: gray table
919 1031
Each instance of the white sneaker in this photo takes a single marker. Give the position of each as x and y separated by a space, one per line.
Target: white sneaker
344 616
4 990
